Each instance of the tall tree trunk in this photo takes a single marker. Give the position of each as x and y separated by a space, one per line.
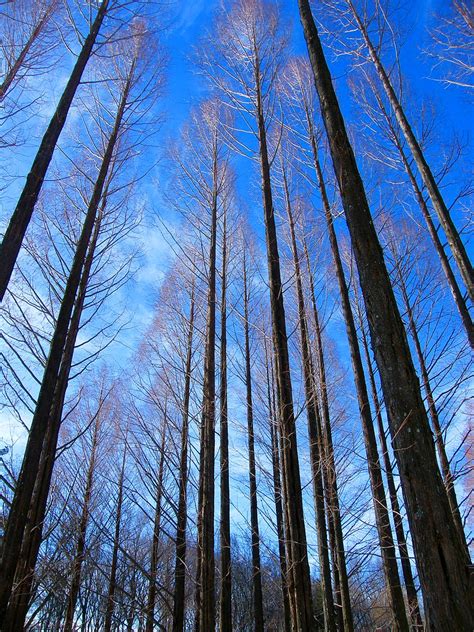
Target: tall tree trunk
314 425
151 597
18 516
412 596
441 558
382 519
180 562
25 566
205 598
277 492
445 264
300 584
109 610
12 240
336 537
79 554
255 539
457 247
226 576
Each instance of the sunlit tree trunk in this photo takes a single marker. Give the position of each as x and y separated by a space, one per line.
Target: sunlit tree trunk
441 558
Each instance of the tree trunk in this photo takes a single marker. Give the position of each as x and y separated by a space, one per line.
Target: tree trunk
300 584
226 570
109 611
277 492
17 519
205 599
314 426
151 597
441 558
256 566
12 240
79 554
180 563
457 247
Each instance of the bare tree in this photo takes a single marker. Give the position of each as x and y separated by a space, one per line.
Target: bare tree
446 596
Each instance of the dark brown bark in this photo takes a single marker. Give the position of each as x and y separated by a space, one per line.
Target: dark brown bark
457 247
255 539
441 558
205 598
18 516
180 563
226 571
153 571
299 583
412 596
109 610
79 554
314 425
277 492
12 240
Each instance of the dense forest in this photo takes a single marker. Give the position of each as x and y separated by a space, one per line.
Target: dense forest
236 333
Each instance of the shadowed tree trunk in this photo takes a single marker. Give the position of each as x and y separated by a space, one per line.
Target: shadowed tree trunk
457 247
226 576
205 598
256 566
80 551
12 240
151 597
180 563
18 516
441 557
300 585
314 424
277 492
109 610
